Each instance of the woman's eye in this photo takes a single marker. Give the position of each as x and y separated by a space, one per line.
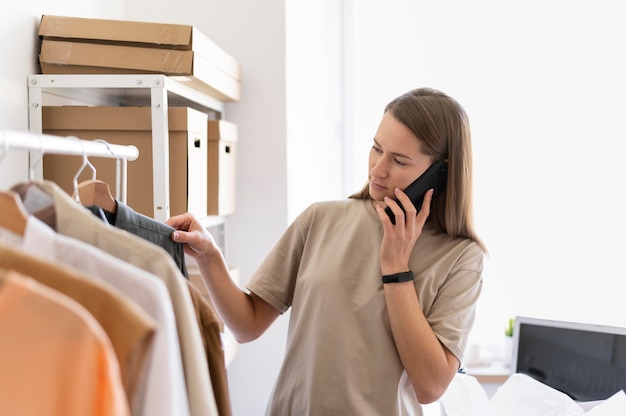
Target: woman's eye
399 162
376 149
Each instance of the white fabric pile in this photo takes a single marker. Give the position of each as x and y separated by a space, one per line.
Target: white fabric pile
520 395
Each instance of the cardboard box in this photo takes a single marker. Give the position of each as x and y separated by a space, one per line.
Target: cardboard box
144 34
222 157
81 46
133 125
60 57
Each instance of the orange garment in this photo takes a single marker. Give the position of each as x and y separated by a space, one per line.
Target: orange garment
129 329
55 359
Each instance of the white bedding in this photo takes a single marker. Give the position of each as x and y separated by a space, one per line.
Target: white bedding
520 395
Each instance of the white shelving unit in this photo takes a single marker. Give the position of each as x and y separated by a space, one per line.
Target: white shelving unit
156 90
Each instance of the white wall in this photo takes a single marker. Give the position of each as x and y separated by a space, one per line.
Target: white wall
315 158
18 37
254 33
543 83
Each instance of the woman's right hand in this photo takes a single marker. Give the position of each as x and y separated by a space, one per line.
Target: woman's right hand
198 242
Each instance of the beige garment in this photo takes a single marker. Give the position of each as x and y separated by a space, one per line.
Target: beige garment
74 220
212 330
55 359
128 327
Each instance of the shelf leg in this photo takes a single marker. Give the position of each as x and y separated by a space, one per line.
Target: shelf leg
160 153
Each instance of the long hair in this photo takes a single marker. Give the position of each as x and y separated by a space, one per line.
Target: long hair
442 126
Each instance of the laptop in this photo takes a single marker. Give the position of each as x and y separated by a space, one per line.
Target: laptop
585 361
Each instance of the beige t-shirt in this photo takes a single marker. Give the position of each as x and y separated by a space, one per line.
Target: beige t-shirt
341 358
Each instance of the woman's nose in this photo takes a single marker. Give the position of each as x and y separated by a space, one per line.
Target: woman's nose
379 168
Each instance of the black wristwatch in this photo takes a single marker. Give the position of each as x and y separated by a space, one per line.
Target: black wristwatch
399 277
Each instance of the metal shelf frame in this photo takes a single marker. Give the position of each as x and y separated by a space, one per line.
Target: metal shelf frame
126 89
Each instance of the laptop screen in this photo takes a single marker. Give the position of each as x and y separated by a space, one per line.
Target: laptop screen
586 362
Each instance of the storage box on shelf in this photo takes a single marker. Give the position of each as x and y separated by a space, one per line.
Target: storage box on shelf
132 125
73 45
155 90
222 157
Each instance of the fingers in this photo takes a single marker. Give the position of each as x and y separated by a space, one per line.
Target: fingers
184 222
409 209
382 214
188 231
410 213
396 210
181 237
184 226
175 221
422 216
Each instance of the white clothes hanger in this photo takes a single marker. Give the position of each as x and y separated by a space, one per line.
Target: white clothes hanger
86 163
97 192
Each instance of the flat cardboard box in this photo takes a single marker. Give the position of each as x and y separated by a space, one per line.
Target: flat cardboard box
133 125
222 158
143 34
63 57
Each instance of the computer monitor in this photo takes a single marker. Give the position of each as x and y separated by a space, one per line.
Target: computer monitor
585 361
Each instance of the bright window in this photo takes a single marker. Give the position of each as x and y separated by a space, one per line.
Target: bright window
543 84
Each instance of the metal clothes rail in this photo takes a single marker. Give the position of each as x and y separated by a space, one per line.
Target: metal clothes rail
49 144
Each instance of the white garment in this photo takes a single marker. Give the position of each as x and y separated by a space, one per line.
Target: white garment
522 395
463 397
408 404
163 391
75 221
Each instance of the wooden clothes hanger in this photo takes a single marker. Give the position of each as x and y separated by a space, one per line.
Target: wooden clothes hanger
13 215
97 192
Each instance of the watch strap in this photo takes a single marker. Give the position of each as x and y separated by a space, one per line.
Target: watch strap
398 277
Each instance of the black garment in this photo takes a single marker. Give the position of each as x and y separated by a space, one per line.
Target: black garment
145 227
98 212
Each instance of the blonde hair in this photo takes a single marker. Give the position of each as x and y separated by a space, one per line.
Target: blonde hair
442 126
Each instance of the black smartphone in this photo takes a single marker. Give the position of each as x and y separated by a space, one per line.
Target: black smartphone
435 177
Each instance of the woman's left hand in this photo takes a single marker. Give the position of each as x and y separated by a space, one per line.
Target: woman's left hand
399 239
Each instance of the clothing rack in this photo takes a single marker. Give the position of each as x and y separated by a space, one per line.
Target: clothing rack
45 143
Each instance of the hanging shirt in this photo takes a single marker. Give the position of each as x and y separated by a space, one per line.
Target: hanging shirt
162 391
212 331
211 327
55 359
73 220
128 327
145 227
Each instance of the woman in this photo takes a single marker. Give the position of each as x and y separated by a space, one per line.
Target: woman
358 319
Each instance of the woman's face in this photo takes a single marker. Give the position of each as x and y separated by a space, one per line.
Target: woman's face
395 160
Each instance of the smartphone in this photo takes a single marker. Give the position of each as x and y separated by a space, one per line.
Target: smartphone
435 177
